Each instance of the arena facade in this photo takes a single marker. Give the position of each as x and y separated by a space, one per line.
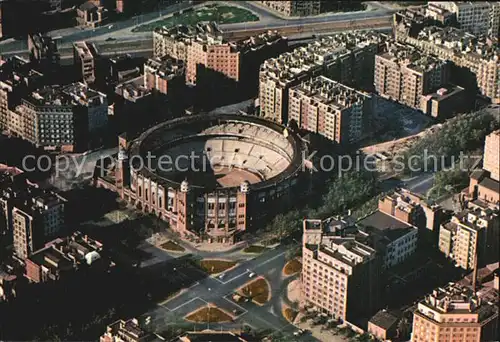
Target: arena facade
211 176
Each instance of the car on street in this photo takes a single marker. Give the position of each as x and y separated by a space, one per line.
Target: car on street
251 275
222 276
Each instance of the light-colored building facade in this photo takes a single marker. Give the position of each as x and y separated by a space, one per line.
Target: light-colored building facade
84 58
60 118
412 208
339 273
453 313
204 46
35 221
471 234
293 8
346 57
393 238
331 109
404 75
484 184
480 56
477 17
491 161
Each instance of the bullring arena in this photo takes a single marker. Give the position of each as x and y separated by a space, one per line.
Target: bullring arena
211 176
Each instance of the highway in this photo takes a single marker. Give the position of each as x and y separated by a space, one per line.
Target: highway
122 31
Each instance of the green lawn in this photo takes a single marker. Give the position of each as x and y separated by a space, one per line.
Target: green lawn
219 13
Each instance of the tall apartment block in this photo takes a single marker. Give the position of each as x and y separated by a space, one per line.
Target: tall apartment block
472 233
36 220
454 313
330 109
403 74
476 61
204 45
345 57
477 17
484 184
84 59
18 80
340 275
295 8
60 118
491 161
412 209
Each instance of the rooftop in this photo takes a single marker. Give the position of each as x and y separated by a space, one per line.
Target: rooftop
329 92
70 95
85 50
165 67
384 319
461 42
290 65
208 32
385 226
133 89
458 299
410 57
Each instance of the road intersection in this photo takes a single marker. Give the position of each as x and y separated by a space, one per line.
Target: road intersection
218 292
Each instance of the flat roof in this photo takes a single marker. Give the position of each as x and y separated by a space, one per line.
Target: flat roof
386 225
384 319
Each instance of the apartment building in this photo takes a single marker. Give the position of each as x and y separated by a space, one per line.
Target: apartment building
91 15
477 17
395 240
173 41
471 236
11 179
294 8
17 79
62 256
36 219
346 57
60 118
43 50
491 162
204 46
475 61
484 184
446 102
413 209
164 74
339 272
129 331
454 313
84 58
404 74
331 109
410 21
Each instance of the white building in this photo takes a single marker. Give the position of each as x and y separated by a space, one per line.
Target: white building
397 239
477 17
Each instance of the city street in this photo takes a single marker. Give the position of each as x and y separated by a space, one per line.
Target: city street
122 30
219 293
